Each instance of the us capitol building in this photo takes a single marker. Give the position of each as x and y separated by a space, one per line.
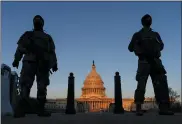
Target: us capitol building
93 92
94 95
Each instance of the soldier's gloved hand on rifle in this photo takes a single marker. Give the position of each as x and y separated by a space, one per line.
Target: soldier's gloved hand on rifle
15 63
55 68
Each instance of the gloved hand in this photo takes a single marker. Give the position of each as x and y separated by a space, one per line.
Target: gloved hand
15 63
55 68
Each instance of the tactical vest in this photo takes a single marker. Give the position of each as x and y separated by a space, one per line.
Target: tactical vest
37 45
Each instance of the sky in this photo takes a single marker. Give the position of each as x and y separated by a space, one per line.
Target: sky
99 31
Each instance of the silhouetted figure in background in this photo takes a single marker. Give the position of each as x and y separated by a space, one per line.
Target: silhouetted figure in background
147 45
39 57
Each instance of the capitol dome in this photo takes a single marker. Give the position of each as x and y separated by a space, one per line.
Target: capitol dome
93 85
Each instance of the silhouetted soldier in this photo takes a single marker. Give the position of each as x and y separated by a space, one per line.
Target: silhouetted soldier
39 57
147 45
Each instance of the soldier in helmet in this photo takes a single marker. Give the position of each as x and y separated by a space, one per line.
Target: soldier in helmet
147 45
39 57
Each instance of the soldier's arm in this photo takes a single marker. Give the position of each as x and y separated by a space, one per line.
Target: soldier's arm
160 41
52 50
21 50
131 45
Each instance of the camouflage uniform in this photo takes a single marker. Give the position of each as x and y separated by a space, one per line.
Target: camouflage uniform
153 68
35 65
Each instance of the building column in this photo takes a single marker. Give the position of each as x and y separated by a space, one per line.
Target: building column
96 105
89 105
93 105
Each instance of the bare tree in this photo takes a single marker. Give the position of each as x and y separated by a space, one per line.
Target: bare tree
173 95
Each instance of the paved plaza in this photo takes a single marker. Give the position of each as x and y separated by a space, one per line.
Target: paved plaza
96 118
